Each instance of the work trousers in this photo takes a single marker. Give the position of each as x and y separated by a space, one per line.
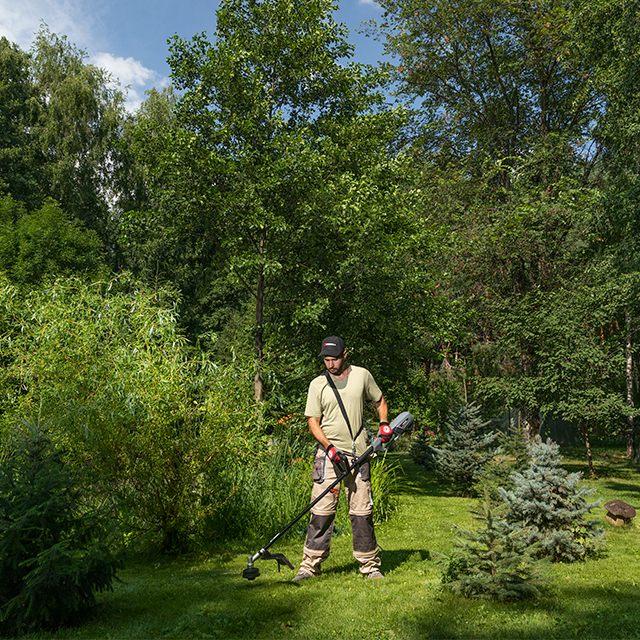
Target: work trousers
357 486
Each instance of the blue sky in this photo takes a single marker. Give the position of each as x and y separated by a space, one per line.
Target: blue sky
129 37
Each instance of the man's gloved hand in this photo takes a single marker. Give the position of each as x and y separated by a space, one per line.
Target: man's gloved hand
337 457
385 433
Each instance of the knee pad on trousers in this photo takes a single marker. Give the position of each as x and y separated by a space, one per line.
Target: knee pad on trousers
364 538
320 531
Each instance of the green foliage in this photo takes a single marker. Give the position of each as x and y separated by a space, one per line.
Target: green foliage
46 243
493 562
105 365
269 487
547 501
54 546
384 487
20 107
467 449
497 82
77 130
513 458
422 450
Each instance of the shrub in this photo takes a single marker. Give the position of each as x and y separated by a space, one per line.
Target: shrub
53 551
106 365
547 501
468 448
494 562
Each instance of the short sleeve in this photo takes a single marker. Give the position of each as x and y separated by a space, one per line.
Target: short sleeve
372 390
314 401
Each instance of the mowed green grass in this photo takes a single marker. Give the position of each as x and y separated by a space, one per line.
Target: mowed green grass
207 597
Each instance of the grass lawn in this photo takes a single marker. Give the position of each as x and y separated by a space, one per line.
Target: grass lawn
208 598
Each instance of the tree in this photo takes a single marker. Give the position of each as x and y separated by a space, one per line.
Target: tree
46 243
20 107
499 81
56 549
513 101
77 130
284 130
547 501
467 449
494 561
579 337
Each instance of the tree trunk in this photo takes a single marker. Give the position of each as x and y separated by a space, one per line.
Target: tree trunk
531 422
631 431
258 385
585 434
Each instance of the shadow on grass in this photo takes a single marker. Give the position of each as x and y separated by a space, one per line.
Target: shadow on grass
607 612
607 462
620 487
391 560
418 481
206 603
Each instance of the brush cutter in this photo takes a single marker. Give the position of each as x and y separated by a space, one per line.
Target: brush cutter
403 422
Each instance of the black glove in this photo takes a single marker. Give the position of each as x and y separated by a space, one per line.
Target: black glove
385 433
337 457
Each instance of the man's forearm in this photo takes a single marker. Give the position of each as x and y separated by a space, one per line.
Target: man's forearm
383 410
318 433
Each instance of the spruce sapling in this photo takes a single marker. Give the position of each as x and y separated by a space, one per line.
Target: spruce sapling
493 562
468 448
54 554
546 499
513 458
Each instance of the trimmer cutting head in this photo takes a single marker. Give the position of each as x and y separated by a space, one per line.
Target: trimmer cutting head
251 572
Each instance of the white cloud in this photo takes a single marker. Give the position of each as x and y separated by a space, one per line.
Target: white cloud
20 20
371 3
132 75
127 70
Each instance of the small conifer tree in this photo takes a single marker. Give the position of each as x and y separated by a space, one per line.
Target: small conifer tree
54 554
468 448
492 562
513 458
547 500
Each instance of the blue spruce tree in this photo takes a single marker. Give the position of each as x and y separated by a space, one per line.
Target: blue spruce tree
547 500
468 448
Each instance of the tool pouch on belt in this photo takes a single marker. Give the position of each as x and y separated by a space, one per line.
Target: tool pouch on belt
319 465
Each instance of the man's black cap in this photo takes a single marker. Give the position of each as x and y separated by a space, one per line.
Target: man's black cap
332 346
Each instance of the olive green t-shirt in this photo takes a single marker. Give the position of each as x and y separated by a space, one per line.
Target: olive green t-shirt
322 403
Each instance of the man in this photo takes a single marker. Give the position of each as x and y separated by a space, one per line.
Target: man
340 440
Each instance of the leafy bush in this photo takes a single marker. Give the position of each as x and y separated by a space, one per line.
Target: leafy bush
494 562
268 488
106 365
53 551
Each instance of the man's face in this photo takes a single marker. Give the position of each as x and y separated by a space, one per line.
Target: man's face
335 366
